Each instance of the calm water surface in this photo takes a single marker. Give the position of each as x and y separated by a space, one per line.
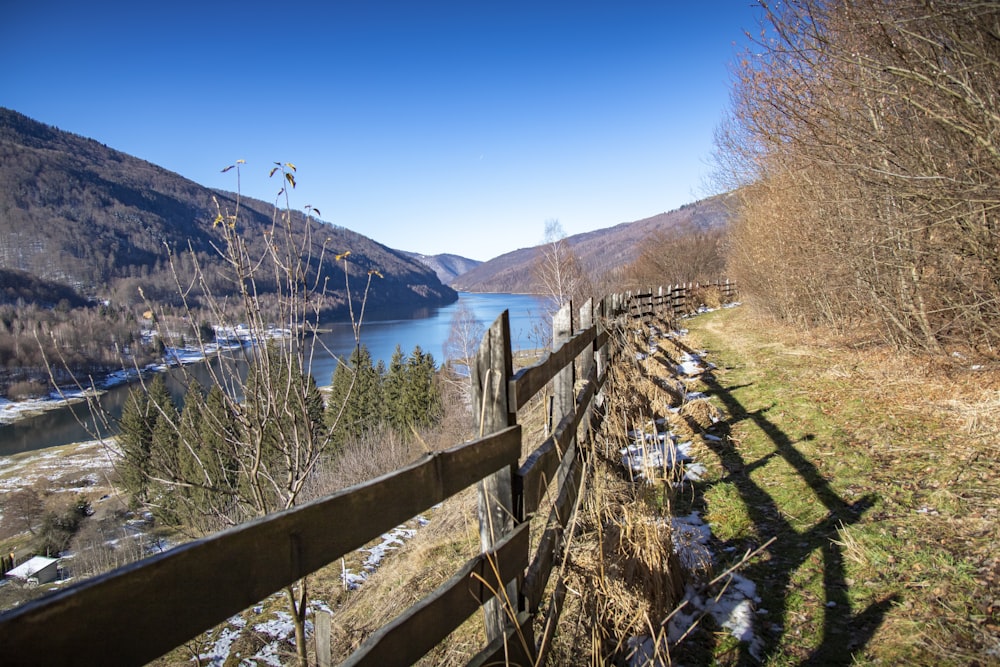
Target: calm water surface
427 328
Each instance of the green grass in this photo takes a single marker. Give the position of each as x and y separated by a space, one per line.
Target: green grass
882 511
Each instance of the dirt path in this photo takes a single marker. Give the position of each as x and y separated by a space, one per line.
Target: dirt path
879 491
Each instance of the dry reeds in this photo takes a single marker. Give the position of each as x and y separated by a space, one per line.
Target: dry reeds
700 413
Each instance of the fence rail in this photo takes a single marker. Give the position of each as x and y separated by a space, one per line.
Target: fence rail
196 586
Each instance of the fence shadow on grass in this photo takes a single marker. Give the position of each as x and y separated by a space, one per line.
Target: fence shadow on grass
844 633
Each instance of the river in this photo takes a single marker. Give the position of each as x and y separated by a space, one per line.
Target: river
428 328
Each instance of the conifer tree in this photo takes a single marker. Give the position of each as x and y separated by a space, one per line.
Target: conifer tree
393 391
135 438
143 410
217 437
422 396
356 397
190 468
164 458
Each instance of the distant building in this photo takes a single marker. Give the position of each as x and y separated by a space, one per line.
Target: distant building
40 569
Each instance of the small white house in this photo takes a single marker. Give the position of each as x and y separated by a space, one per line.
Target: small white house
39 569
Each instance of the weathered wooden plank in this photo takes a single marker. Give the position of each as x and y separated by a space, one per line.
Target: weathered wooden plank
322 624
536 472
529 381
407 638
551 541
551 621
191 588
541 465
587 365
493 367
563 390
540 568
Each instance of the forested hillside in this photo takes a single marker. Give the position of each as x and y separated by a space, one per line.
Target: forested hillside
607 254
76 212
82 223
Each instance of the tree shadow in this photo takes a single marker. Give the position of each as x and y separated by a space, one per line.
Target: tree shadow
844 633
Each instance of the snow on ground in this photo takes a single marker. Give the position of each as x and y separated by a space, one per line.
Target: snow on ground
391 541
732 608
26 469
691 536
280 628
731 603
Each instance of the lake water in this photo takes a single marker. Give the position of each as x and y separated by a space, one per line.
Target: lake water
428 328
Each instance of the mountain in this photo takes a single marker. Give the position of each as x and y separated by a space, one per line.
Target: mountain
599 252
446 267
74 212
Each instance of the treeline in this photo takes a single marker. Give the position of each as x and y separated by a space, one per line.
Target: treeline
864 138
38 344
366 398
214 460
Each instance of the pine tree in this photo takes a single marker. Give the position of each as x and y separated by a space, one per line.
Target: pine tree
356 397
164 458
135 437
217 437
137 426
393 392
422 396
189 468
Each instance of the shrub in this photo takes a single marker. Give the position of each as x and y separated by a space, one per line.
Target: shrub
20 391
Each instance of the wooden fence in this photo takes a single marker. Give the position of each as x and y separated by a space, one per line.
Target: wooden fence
139 612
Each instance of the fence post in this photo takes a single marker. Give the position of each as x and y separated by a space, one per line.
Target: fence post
564 381
321 625
491 372
587 360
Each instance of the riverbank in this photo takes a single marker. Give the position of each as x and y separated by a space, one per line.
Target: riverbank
14 411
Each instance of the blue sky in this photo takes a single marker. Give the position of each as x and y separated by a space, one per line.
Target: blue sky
456 127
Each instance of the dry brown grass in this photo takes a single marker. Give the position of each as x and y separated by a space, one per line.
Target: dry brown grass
623 576
425 562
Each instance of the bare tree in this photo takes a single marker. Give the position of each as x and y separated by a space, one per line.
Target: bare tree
461 346
23 509
557 268
253 445
679 255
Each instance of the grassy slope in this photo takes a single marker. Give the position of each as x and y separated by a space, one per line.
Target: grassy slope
878 477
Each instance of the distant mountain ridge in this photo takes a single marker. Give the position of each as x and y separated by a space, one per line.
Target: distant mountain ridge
446 267
77 213
600 252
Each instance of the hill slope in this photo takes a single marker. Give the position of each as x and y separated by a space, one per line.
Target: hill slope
446 267
599 252
75 212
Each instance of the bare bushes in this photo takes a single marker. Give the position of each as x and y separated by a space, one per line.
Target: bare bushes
109 543
26 389
358 460
684 254
865 136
